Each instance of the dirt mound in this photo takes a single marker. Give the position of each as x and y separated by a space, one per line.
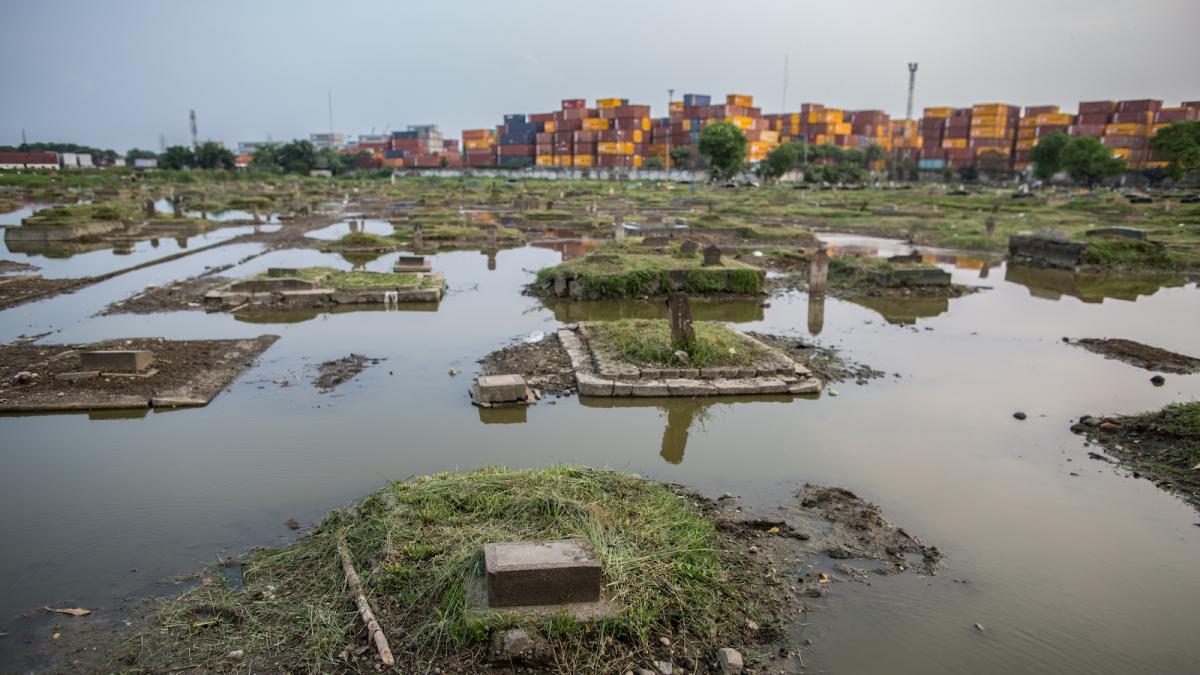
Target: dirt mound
1141 355
333 373
544 365
825 362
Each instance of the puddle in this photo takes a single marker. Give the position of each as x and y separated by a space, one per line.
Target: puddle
1088 573
339 230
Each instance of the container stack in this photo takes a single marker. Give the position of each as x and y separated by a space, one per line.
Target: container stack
690 116
479 146
869 127
956 138
905 141
994 130
1037 123
517 138
1128 134
932 131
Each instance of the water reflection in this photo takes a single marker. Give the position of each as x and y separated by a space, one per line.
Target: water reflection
1052 284
336 231
513 415
733 310
309 313
569 248
903 311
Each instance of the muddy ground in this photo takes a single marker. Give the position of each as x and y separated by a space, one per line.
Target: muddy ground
544 365
331 374
824 362
187 372
18 290
802 549
1140 355
7 266
1158 446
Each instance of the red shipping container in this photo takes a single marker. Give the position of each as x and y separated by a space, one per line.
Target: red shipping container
570 124
585 136
541 118
519 150
1140 105
1093 118
543 137
1142 117
569 103
1094 130
1090 107
587 148
1035 110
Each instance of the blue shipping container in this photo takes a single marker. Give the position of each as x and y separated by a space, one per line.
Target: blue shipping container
514 119
930 164
697 99
406 135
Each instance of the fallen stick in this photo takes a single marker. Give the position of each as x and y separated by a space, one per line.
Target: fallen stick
374 632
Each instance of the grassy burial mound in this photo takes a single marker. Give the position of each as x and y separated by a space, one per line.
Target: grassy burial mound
647 343
415 544
325 286
632 269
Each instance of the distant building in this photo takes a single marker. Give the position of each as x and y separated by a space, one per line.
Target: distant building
251 147
334 140
145 163
119 162
29 160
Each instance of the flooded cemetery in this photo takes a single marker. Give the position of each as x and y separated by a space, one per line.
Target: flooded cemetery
466 424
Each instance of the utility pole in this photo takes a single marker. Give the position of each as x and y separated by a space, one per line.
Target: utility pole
667 162
912 85
23 141
331 116
192 116
783 109
162 142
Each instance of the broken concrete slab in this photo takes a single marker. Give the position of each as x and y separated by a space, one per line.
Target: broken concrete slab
412 263
493 390
541 573
590 385
116 360
1046 251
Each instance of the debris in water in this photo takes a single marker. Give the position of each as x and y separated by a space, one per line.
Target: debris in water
291 524
1019 415
535 337
71 611
979 627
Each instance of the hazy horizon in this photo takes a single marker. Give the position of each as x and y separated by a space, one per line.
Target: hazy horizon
118 74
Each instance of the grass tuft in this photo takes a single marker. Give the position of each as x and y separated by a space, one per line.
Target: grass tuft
647 342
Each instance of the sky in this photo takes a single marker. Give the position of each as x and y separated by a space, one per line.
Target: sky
118 74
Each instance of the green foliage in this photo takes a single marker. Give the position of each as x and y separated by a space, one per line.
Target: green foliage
619 270
781 160
296 157
211 155
1179 144
100 156
1117 251
725 146
177 158
683 156
647 342
1088 160
137 153
653 162
1047 155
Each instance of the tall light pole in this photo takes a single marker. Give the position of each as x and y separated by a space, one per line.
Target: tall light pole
667 159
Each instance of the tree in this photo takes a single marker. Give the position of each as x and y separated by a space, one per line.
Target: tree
1088 160
1047 155
176 158
781 160
1179 144
296 157
682 155
137 153
653 162
210 155
265 159
873 153
725 146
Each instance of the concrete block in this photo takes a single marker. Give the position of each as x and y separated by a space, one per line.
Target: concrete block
276 272
810 386
541 573
412 263
647 388
590 385
623 388
690 387
770 385
739 387
491 389
271 285
116 360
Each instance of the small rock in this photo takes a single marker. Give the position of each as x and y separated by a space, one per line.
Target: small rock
727 495
979 626
291 524
666 642
751 626
453 372
664 667
1158 380
833 392
1108 426
1019 415
511 644
730 660
682 355
754 549
237 655
23 377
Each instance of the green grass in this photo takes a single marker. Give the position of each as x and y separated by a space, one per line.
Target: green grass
365 240
647 342
414 543
76 214
1182 419
1123 252
620 269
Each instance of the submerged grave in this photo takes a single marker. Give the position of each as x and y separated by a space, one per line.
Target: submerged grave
137 373
632 269
324 286
635 358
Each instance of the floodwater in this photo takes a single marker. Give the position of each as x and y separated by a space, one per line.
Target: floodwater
353 225
1087 573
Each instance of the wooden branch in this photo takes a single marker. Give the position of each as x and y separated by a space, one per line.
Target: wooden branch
374 632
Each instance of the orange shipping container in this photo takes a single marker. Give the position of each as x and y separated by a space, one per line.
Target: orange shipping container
740 99
583 161
939 112
595 124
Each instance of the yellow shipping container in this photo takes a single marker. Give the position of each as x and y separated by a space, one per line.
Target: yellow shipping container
740 99
1026 143
984 151
989 109
637 161
840 129
637 135
676 106
770 136
1127 129
743 123
550 127
949 143
646 124
480 144
990 132
988 121
1027 132
614 148
564 160
1055 120
687 125
595 124
1123 153
584 160
546 160
608 102
939 112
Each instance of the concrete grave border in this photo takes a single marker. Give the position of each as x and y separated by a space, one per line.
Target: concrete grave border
597 375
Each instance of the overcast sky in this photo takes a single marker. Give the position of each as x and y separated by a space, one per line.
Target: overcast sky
118 74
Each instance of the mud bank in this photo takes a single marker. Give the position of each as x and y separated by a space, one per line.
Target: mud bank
544 365
331 374
1146 357
48 378
1162 446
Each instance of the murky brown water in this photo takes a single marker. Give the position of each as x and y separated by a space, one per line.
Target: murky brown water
1094 573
